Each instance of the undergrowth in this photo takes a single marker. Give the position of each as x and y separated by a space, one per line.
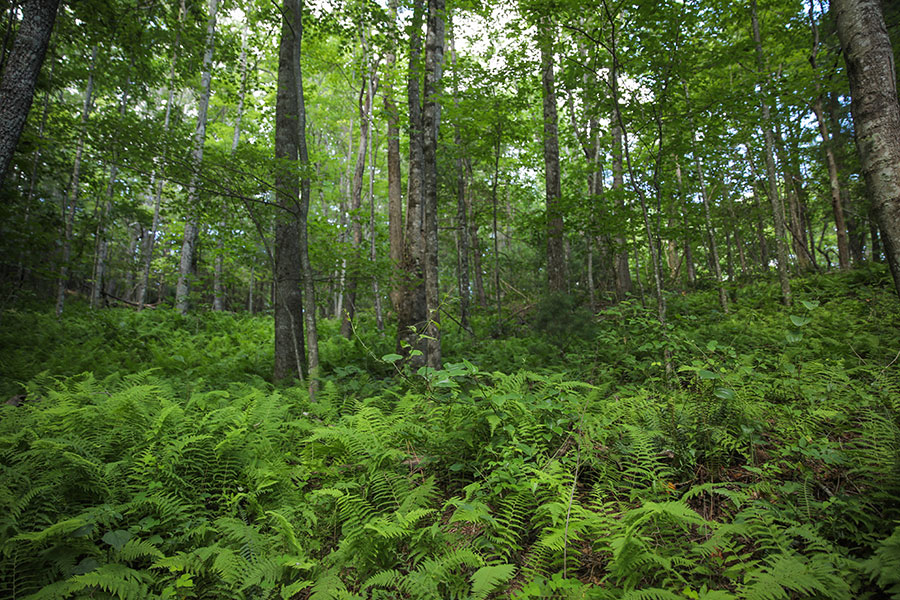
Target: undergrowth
145 456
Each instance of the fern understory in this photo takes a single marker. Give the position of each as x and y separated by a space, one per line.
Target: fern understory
147 456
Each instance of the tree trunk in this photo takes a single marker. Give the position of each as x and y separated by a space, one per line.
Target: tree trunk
854 219
376 292
689 271
218 269
101 243
289 351
623 271
556 262
431 119
156 186
71 199
365 108
876 114
395 200
774 197
20 74
462 227
494 229
710 230
309 288
187 270
412 311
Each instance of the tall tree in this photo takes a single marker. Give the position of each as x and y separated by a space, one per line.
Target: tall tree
556 259
309 289
411 309
20 74
769 139
188 259
876 113
431 119
289 348
70 201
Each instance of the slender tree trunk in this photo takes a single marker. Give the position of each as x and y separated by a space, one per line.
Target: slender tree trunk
495 231
71 198
365 108
395 200
218 267
795 224
376 292
462 226
35 163
101 243
477 278
309 288
876 114
556 261
289 350
690 273
187 270
774 197
156 186
710 229
412 312
431 119
20 74
856 232
623 271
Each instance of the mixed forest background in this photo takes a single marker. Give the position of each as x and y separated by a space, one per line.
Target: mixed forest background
428 299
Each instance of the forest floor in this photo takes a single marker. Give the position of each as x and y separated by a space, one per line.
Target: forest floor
146 455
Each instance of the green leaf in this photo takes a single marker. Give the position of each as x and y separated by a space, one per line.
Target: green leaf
391 358
810 304
725 393
800 321
794 336
117 538
704 374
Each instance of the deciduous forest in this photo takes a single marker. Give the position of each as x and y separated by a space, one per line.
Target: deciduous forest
449 299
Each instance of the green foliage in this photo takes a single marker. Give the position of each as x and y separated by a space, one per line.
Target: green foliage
768 468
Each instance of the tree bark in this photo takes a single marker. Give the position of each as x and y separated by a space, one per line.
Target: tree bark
289 351
365 108
431 119
20 74
309 289
412 311
556 261
623 271
187 270
462 227
876 114
395 200
774 197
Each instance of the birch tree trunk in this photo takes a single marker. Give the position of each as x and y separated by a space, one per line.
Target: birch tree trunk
188 265
876 114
